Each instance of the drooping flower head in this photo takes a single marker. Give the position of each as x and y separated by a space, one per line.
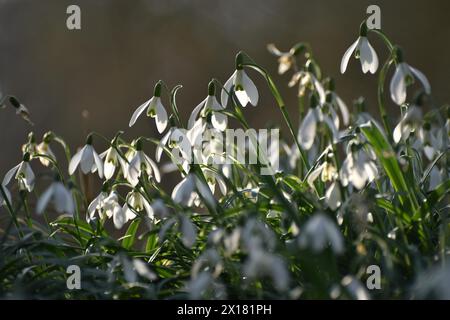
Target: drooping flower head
210 106
241 85
87 158
363 51
155 109
403 77
22 173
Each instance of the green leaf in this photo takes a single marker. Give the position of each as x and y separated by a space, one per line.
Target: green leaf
130 235
388 161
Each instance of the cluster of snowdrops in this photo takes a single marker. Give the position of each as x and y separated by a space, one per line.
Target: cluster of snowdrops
353 190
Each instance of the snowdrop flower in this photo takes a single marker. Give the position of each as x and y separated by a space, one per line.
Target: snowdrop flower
22 173
7 195
141 162
320 232
243 87
326 171
261 264
363 51
307 80
112 208
184 192
88 160
403 77
112 160
96 205
155 109
136 202
286 60
358 168
308 128
333 196
21 110
59 196
427 141
409 123
43 148
210 105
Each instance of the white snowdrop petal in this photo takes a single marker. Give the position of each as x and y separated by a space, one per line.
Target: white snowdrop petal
368 58
195 112
226 90
398 86
44 199
422 78
87 159
250 89
161 116
161 145
343 108
333 196
138 112
242 97
219 121
74 162
307 130
119 218
347 55
98 163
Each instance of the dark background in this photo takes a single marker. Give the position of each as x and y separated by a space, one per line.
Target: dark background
111 65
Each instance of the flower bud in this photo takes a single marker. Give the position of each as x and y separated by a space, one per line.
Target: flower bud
157 90
211 88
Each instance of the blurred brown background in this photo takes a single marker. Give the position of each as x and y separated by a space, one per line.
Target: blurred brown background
111 65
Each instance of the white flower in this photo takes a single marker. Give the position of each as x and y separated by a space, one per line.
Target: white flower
96 205
307 130
244 89
209 104
409 122
59 196
23 174
112 160
307 80
136 202
155 109
88 160
364 52
139 162
358 169
333 196
44 149
112 208
403 77
320 232
7 194
184 192
285 59
261 264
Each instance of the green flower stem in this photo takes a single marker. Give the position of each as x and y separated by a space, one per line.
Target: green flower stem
381 99
11 212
